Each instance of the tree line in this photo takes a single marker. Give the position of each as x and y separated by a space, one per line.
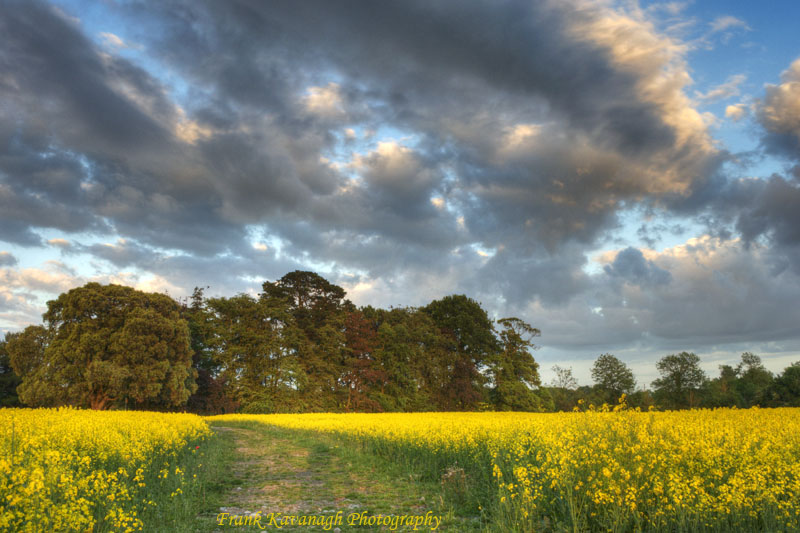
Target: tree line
301 346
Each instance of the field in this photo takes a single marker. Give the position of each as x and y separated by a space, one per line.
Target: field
72 470
720 470
703 470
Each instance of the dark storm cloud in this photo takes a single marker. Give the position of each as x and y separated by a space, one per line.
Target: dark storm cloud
251 64
50 64
88 143
440 76
779 114
631 266
518 131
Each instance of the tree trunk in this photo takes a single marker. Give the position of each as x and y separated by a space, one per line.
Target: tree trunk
99 402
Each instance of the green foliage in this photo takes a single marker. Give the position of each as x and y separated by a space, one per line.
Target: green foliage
785 390
681 381
722 391
252 340
317 335
514 371
104 346
466 323
9 381
612 378
754 380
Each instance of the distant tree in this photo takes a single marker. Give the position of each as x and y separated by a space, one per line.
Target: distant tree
9 381
754 380
563 389
722 391
513 371
564 378
106 346
785 390
612 378
468 326
642 398
681 380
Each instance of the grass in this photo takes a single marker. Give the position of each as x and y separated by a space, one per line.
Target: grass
297 473
195 506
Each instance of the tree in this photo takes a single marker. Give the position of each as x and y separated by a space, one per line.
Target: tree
411 361
319 310
105 346
681 380
472 335
9 380
722 391
612 378
754 380
311 298
361 370
785 390
564 378
254 340
563 389
213 395
513 371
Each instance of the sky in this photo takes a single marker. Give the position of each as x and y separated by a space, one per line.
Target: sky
624 176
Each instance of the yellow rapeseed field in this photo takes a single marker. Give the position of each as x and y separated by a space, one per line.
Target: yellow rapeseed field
715 470
73 470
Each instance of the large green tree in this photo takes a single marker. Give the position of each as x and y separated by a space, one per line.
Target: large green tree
680 382
213 394
513 370
612 378
253 344
466 323
319 310
106 346
722 390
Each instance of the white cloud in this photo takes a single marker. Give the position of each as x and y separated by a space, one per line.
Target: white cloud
723 91
727 22
115 42
324 101
736 112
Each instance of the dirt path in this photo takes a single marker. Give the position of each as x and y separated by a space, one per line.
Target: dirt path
284 474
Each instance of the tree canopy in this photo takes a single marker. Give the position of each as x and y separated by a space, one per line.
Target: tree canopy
612 378
681 380
301 346
104 346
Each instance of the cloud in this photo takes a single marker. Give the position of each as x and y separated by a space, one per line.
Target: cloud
7 259
779 113
723 91
727 22
706 292
404 150
629 265
736 112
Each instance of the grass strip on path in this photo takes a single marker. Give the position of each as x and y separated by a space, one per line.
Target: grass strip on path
285 473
